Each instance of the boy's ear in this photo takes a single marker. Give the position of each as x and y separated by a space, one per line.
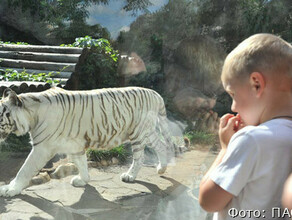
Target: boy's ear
13 98
258 82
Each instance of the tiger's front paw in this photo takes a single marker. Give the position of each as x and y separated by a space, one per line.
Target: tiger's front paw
9 190
125 177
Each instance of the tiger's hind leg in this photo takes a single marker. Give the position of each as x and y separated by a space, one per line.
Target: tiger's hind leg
138 158
81 163
161 151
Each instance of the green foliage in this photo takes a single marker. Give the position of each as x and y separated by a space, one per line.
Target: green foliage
67 34
99 69
175 21
14 43
228 21
119 152
22 144
157 50
242 19
60 11
148 80
16 144
199 137
100 45
14 75
268 16
56 11
154 37
68 17
137 5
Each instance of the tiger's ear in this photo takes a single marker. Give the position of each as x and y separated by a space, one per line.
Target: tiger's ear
13 98
6 92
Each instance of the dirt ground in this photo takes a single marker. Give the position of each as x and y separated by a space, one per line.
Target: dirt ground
170 196
10 163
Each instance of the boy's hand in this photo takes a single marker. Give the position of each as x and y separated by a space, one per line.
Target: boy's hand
229 125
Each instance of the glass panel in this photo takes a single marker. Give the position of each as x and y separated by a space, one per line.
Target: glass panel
165 58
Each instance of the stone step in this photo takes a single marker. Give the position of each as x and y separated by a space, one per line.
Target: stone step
39 48
54 74
37 56
38 65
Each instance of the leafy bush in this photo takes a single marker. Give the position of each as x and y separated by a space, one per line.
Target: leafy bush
199 137
100 45
14 75
99 68
68 18
119 152
148 80
14 43
16 144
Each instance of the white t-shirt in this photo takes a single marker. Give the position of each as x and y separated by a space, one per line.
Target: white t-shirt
257 163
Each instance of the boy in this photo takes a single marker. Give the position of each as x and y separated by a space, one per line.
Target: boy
287 194
246 179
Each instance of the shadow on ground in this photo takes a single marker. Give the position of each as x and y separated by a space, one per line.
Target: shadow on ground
153 197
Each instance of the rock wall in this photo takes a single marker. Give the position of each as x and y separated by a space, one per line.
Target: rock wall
192 76
197 64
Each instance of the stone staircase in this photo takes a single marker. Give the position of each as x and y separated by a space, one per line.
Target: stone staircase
59 62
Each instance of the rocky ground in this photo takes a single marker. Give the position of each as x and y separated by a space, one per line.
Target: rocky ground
170 196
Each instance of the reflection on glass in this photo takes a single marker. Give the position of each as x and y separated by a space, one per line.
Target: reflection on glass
176 48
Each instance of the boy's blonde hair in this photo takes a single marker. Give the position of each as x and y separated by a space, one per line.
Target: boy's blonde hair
264 53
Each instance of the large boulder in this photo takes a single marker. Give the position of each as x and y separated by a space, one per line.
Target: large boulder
129 66
196 107
193 79
190 102
196 63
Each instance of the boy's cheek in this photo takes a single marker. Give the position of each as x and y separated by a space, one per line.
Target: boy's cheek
233 106
250 121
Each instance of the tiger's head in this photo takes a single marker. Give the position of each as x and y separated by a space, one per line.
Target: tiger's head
9 102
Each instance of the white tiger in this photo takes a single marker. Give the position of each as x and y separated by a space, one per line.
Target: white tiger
61 121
